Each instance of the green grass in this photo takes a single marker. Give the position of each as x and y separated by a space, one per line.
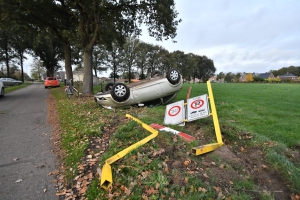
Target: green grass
267 112
271 110
16 87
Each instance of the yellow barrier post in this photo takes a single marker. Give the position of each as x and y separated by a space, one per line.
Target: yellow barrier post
210 147
106 175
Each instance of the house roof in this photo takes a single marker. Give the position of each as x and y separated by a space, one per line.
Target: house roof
287 75
265 75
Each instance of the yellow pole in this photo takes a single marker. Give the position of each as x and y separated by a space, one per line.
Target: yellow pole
106 175
214 113
211 147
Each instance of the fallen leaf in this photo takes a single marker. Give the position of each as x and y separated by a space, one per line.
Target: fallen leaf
151 191
15 159
45 190
145 174
19 180
167 170
295 196
205 175
166 190
201 189
123 188
187 162
173 194
61 193
144 197
157 185
264 166
218 189
186 180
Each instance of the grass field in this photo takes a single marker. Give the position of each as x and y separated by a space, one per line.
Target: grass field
271 110
164 168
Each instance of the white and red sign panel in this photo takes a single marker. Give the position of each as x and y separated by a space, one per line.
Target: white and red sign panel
197 108
175 113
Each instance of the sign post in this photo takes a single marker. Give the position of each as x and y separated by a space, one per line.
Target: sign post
210 147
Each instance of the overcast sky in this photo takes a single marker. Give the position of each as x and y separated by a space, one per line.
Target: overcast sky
239 36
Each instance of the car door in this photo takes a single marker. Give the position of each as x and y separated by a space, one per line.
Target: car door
146 92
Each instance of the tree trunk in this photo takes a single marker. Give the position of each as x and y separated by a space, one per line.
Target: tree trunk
7 63
22 68
95 71
87 87
68 67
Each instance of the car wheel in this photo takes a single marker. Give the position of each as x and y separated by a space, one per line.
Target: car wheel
46 87
173 76
156 72
108 86
2 92
120 92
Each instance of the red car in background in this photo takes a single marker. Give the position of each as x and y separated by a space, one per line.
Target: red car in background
51 82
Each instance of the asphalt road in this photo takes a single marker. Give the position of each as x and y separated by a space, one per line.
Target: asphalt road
25 148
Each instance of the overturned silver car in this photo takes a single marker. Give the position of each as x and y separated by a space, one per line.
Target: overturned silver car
159 89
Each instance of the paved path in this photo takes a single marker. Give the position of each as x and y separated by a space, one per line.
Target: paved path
25 148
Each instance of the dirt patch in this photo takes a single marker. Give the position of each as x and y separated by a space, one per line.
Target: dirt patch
227 166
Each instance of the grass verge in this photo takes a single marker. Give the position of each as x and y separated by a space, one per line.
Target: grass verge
258 142
16 87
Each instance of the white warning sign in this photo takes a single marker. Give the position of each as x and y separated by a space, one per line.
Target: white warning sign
175 113
197 108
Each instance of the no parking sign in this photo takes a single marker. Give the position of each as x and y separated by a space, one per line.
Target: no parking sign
175 113
197 108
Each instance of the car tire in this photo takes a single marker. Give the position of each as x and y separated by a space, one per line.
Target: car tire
108 86
156 72
120 92
173 76
46 87
2 92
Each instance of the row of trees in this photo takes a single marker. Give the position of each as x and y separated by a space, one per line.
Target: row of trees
138 57
291 69
16 42
57 30
235 77
68 27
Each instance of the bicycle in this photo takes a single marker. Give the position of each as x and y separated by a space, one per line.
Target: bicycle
71 90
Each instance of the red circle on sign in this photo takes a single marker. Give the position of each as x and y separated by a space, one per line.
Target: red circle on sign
197 104
174 111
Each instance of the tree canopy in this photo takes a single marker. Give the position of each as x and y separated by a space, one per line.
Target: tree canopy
102 34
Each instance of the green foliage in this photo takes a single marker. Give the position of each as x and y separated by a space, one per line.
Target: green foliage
258 79
49 49
273 80
37 69
291 69
229 77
